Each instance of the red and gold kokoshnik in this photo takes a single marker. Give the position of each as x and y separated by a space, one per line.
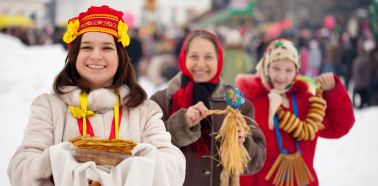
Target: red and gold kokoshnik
98 19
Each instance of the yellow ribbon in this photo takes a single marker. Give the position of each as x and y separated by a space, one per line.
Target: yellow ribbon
72 31
82 112
116 114
123 37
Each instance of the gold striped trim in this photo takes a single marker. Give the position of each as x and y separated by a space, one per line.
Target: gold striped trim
97 23
99 29
100 15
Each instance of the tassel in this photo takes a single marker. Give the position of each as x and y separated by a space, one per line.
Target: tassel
290 167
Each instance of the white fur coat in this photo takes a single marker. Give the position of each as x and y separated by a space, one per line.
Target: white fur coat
51 123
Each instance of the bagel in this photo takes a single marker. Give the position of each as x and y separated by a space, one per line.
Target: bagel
289 122
293 125
280 113
298 130
315 99
315 116
305 131
317 111
318 106
284 119
311 131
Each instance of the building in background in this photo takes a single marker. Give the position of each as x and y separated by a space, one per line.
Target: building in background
57 12
34 10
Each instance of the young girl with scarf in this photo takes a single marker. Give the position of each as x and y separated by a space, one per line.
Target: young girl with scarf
96 94
190 94
291 117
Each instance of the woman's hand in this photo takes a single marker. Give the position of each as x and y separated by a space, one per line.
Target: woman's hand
327 81
195 113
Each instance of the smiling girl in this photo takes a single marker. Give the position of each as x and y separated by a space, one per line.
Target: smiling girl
96 88
291 117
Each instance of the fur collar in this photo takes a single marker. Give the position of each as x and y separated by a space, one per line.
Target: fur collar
99 100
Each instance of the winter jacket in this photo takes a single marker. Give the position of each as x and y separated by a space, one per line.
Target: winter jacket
361 72
337 122
51 123
204 171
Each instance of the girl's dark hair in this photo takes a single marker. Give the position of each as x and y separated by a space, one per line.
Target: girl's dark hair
125 74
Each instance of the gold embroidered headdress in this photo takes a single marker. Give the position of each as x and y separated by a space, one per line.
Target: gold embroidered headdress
98 19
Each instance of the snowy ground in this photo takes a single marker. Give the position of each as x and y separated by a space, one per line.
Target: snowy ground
25 72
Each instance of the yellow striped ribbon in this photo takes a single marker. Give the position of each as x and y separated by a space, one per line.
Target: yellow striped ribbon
83 112
116 114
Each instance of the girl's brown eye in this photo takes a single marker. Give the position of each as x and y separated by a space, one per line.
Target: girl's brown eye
85 48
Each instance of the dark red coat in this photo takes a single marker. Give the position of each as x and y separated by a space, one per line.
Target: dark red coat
338 120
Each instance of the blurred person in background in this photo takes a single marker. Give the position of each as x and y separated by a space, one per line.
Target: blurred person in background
180 40
135 49
162 64
330 52
304 54
189 95
236 59
314 59
95 92
348 52
362 74
374 77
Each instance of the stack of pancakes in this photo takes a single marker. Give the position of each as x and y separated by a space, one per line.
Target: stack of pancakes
102 151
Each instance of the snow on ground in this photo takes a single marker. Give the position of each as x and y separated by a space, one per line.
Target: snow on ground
26 72
353 159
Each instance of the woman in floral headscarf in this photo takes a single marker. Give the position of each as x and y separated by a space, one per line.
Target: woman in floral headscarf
195 90
291 117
